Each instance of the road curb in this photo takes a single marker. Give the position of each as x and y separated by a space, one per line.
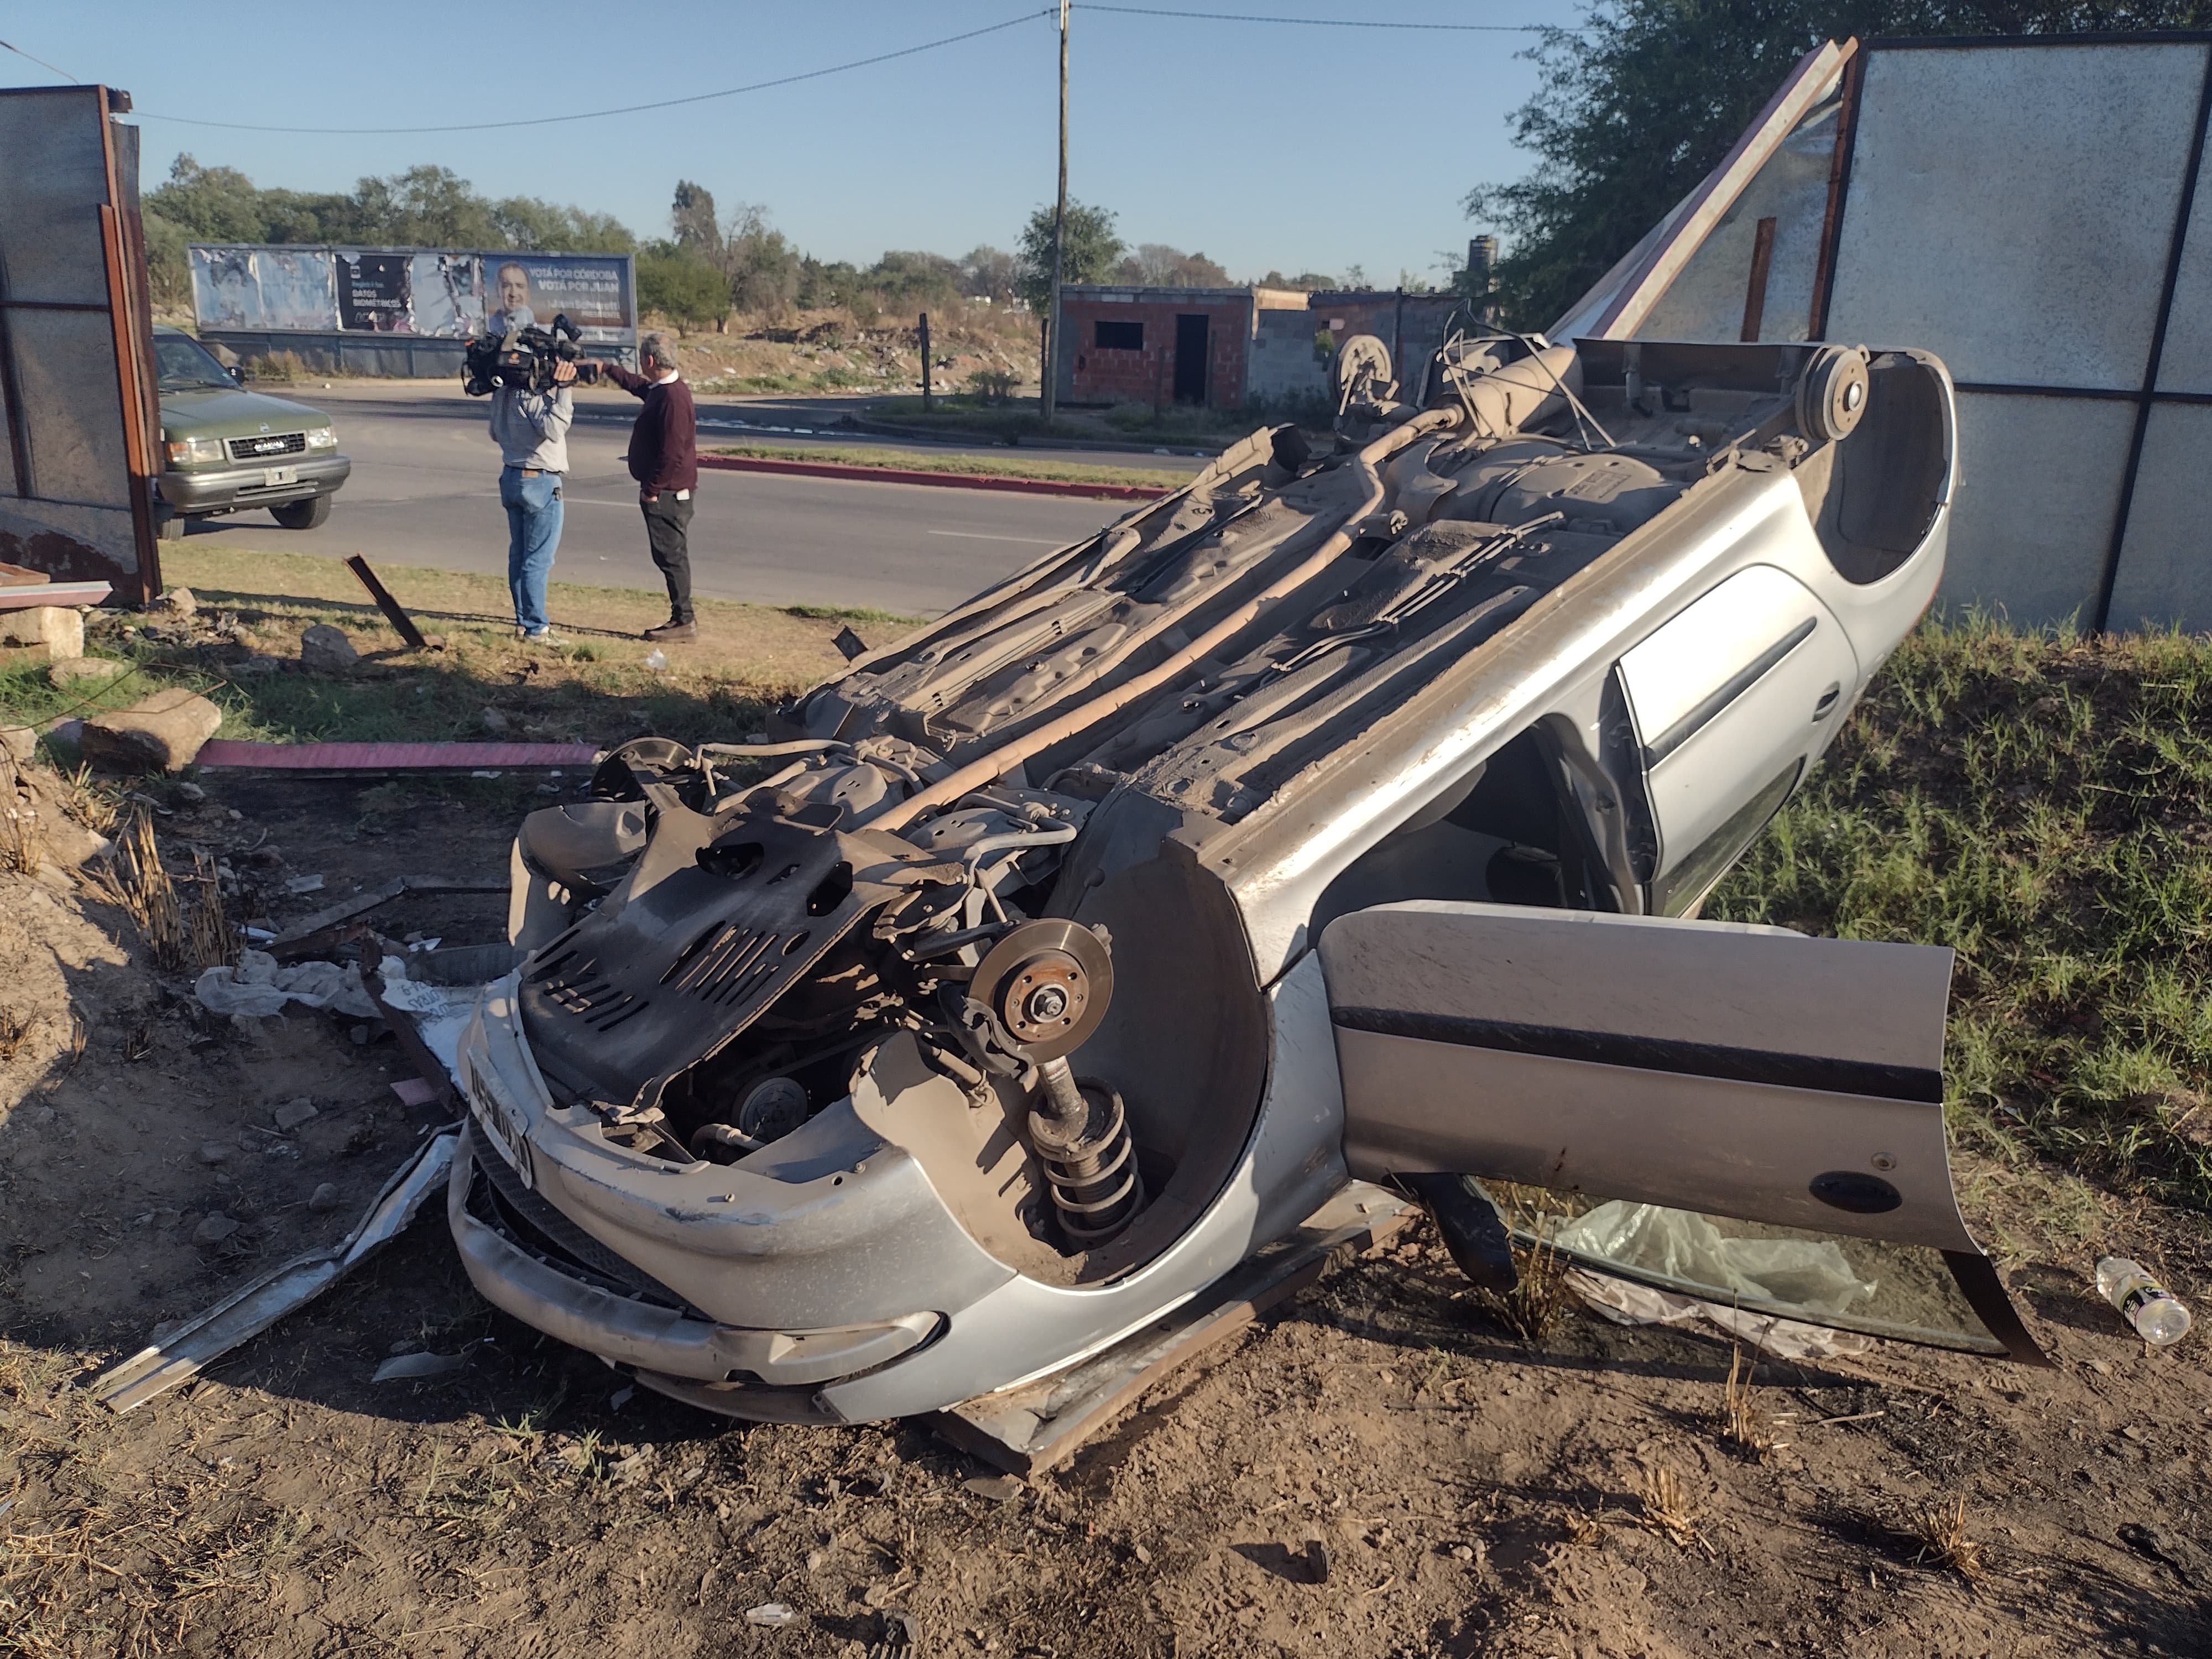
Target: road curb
943 480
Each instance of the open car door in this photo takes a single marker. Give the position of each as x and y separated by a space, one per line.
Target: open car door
1773 1087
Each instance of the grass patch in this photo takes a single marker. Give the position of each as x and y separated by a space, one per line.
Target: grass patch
993 466
2042 804
599 688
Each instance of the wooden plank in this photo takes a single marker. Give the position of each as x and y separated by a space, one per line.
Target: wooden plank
1040 1424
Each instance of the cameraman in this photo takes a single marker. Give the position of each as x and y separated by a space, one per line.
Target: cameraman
664 459
532 431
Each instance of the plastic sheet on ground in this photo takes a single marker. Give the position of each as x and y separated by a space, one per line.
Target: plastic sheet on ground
1810 1274
441 1012
258 986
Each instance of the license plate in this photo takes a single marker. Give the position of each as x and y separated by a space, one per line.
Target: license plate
502 1127
273 476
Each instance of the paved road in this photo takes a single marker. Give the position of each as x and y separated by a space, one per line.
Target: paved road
424 491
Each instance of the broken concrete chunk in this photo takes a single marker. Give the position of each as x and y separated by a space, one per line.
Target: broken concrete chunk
299 884
161 732
324 650
178 601
70 670
216 1228
56 629
293 1113
999 1488
20 741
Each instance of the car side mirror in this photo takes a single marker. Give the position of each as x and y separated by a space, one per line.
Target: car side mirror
238 372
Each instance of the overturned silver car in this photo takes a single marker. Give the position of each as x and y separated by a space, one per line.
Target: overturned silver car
1338 817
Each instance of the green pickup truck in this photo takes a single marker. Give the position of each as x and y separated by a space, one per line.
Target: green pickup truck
225 449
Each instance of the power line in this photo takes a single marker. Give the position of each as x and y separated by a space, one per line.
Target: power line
1318 22
629 109
41 62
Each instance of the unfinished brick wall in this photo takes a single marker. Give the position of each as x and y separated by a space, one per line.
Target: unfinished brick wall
1121 373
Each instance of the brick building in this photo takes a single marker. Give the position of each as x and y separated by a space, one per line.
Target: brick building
1227 347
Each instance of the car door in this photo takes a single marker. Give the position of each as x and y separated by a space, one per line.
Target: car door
1730 698
1771 1088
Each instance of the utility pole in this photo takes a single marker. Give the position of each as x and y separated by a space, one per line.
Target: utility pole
924 363
1050 389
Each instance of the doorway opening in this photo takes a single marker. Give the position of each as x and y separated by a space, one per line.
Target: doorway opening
1190 355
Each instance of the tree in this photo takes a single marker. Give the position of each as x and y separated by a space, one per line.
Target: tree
762 268
1643 100
989 273
676 282
1092 250
1155 265
1306 282
692 217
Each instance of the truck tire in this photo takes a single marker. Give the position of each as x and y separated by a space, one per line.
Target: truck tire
302 515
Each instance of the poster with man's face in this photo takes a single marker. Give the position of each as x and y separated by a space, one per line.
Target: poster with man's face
591 290
224 291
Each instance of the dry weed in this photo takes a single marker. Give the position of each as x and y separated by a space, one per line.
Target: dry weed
92 805
16 1030
1940 1529
187 931
1534 1308
1669 1508
22 836
1743 1424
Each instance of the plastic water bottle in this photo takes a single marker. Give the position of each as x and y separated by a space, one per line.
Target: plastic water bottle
2155 1311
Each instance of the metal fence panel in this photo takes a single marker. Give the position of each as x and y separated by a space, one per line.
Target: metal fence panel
76 405
2010 208
2039 488
2162 579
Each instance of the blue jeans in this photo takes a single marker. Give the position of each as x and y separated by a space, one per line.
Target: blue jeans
533 532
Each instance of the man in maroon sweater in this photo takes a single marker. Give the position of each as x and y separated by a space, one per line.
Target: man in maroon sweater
664 459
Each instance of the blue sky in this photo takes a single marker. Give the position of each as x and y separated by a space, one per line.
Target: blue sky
1260 144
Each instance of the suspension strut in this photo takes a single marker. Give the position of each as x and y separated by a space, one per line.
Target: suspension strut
1042 989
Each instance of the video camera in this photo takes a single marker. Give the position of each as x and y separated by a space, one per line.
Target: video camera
524 359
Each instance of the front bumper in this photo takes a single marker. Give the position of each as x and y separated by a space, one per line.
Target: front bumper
223 490
525 1257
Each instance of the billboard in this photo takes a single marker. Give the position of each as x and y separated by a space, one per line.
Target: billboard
435 293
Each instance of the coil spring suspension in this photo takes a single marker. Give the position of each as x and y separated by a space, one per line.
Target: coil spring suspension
1082 1139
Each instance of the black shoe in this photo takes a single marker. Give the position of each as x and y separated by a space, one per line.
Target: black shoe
1474 1233
681 633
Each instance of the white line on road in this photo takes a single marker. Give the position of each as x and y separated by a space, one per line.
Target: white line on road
974 536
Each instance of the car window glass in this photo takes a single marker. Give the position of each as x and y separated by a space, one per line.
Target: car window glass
185 363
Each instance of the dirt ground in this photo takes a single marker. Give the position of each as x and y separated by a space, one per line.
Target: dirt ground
1377 1469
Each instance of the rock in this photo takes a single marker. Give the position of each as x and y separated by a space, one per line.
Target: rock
1316 1561
69 670
178 601
1460 1552
56 629
293 1113
324 650
326 1199
161 732
213 1151
20 741
999 1488
216 1228
257 664
191 793
494 721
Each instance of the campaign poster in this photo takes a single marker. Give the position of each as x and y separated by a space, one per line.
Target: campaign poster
375 295
296 290
448 294
223 289
591 289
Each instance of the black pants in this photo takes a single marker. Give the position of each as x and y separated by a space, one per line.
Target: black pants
667 527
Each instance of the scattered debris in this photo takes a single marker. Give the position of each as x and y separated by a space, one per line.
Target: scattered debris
774 1614
254 1307
998 1488
257 987
293 1113
298 885
409 1367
